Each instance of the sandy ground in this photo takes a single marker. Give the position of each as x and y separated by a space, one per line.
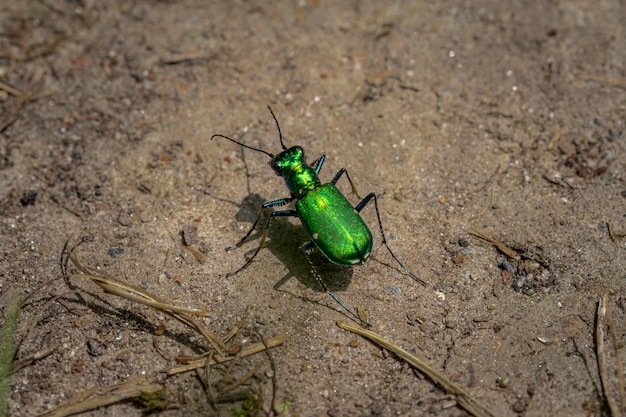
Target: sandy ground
504 117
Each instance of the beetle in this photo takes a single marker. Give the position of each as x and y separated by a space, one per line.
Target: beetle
334 226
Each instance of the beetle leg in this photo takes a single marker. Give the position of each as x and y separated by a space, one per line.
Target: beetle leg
360 207
306 249
339 174
278 213
317 164
269 204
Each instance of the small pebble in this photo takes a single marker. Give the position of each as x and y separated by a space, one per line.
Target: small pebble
234 349
458 259
545 340
519 407
503 382
28 198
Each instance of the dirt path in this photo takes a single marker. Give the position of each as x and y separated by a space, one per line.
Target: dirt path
459 115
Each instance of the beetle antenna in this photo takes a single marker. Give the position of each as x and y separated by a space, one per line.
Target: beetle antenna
280 134
244 145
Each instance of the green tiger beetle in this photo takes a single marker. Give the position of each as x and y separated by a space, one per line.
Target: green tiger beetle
333 225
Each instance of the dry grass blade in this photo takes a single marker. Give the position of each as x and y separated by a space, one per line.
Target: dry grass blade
11 115
191 56
7 347
110 395
19 364
195 252
130 292
604 377
184 315
235 331
602 79
462 398
241 381
10 90
499 245
249 350
618 361
139 295
273 365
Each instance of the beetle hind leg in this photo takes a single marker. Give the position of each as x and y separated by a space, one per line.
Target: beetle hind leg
360 207
307 248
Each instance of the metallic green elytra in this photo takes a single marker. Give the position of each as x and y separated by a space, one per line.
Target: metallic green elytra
334 226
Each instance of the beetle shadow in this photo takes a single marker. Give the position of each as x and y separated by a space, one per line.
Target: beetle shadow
284 241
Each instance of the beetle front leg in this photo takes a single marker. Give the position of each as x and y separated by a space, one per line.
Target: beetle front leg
317 164
281 213
269 204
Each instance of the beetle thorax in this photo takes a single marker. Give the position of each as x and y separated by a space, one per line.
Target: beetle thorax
299 176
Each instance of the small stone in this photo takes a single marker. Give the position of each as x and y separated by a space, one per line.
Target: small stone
28 198
519 407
